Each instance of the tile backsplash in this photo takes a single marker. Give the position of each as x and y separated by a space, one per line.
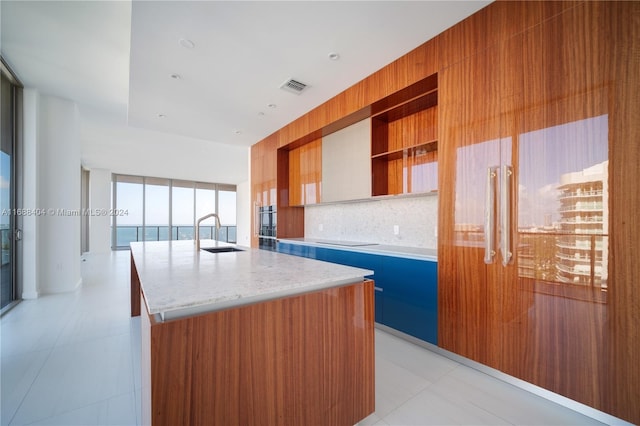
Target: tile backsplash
400 221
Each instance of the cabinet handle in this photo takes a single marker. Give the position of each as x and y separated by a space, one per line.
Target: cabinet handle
489 215
505 215
256 218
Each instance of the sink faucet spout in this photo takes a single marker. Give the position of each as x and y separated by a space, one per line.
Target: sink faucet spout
196 237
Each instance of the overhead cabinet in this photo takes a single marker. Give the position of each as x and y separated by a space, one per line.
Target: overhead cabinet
305 174
346 164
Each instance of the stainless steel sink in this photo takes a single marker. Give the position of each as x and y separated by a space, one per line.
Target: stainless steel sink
221 249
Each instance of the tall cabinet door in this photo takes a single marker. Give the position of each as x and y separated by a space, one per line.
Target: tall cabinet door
568 306
544 110
555 291
469 289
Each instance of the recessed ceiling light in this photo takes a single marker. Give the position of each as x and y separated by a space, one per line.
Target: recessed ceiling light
176 76
272 106
186 43
260 114
237 132
162 116
334 56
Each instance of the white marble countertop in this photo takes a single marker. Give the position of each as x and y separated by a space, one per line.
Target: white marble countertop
177 280
418 253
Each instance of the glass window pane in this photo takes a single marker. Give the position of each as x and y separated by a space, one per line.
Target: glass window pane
129 198
205 204
156 210
227 211
182 211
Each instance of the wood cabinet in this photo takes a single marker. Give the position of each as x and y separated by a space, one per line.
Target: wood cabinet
534 86
305 359
305 174
535 184
270 188
263 181
404 140
264 173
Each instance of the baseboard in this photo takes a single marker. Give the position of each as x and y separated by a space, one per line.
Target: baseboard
30 295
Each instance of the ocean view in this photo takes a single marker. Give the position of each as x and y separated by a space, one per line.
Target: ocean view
132 233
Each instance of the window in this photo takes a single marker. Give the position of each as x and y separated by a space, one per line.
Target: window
128 227
158 209
182 210
227 213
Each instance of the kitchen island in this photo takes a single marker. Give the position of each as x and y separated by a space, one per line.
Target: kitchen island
251 337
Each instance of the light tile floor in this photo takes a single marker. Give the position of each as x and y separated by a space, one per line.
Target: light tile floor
74 359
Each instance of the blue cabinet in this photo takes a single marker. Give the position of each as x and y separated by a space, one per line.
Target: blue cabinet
411 297
406 297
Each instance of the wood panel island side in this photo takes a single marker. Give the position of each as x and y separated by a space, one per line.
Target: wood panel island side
251 337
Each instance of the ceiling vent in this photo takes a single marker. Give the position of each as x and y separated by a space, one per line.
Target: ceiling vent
293 86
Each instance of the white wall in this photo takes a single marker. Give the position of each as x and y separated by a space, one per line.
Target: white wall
30 168
244 207
373 221
99 201
51 245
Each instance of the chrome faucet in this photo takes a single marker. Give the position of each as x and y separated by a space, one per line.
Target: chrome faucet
197 235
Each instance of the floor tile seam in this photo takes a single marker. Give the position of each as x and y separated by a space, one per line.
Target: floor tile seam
466 397
35 378
57 414
89 339
385 418
133 360
499 416
431 380
409 371
433 387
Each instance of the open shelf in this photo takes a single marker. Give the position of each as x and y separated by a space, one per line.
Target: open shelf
404 140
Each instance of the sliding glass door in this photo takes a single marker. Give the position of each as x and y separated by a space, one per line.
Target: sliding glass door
8 224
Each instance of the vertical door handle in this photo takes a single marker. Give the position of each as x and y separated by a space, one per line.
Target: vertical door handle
505 215
489 215
256 218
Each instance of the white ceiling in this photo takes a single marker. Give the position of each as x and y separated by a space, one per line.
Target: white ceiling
117 57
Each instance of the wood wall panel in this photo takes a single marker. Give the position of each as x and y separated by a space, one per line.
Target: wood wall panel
305 174
493 24
135 290
623 321
301 360
145 361
263 180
